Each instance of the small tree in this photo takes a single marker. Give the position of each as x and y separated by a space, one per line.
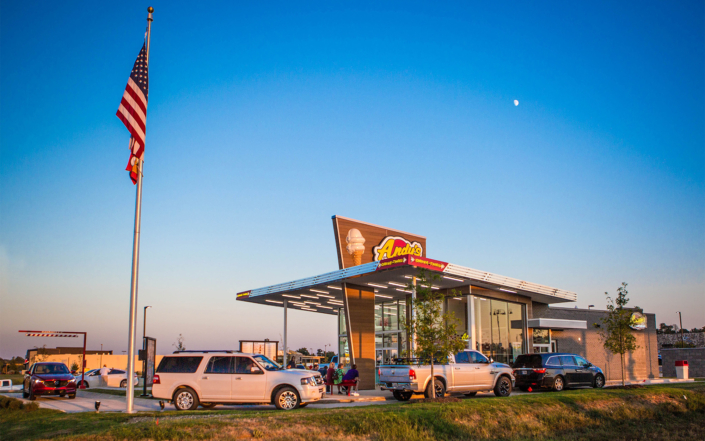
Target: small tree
179 345
436 332
303 351
616 334
42 354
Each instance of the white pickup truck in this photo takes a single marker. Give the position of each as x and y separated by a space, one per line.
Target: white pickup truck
468 372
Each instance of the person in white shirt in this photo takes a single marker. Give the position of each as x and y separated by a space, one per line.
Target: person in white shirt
104 374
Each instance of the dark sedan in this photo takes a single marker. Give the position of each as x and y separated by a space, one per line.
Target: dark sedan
49 379
556 372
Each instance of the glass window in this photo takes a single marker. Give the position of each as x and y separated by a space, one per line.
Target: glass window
179 365
541 337
553 361
581 361
341 322
267 363
220 365
568 360
245 365
476 357
462 357
379 320
529 361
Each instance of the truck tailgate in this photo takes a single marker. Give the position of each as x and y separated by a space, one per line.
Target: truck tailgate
394 374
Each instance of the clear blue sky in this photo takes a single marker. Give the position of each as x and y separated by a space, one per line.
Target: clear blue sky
267 118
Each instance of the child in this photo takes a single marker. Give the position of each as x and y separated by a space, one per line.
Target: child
339 377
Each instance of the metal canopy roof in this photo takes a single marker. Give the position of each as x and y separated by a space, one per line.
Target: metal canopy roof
551 323
390 279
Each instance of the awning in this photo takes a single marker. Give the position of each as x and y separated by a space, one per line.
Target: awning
551 323
390 279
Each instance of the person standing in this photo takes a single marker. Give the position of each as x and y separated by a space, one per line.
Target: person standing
330 376
104 374
292 364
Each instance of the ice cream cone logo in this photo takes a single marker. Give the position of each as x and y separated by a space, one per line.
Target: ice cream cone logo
356 245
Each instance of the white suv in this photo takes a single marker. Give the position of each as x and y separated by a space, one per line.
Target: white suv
209 378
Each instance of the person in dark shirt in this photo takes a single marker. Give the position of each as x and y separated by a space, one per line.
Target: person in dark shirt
292 364
353 375
330 373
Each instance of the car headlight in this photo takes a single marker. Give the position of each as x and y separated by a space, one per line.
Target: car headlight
308 381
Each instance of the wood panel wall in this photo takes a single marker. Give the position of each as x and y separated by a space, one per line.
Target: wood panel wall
361 301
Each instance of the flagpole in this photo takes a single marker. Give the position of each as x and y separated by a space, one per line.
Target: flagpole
136 263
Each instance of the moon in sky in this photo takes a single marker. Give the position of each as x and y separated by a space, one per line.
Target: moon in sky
516 102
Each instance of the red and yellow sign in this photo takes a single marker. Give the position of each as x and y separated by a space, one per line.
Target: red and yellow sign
418 262
393 246
243 295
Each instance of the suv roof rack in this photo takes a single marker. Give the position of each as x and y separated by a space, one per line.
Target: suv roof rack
227 351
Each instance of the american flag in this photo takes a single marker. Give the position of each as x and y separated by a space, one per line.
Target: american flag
133 111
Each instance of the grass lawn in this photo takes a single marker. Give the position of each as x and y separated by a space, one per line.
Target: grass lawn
16 379
655 412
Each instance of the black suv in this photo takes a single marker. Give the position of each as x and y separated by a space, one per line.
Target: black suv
555 371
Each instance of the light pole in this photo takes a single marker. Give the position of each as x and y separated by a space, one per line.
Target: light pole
101 355
144 347
680 319
590 307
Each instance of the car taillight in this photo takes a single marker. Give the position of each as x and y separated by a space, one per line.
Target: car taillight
412 374
540 371
379 372
155 380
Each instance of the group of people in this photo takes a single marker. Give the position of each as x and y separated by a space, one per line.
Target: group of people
335 377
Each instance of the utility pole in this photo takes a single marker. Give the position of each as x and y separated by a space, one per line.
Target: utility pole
680 319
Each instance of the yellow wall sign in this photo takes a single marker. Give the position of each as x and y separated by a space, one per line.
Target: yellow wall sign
393 246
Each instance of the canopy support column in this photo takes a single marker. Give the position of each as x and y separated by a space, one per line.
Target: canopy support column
284 348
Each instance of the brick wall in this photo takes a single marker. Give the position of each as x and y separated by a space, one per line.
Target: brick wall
694 356
639 365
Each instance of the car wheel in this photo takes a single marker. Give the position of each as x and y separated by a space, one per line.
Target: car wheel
471 394
503 388
440 390
599 381
72 396
558 384
31 396
287 399
123 383
208 405
25 393
402 396
185 399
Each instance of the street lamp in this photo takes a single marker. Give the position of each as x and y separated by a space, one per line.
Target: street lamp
590 307
680 319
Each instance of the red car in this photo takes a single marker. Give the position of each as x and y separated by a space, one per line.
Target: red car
49 379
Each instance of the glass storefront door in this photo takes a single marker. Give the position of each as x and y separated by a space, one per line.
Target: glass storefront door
499 329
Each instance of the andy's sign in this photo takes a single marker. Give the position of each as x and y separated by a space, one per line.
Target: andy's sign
393 246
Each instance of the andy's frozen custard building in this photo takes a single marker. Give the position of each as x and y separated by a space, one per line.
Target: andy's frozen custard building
499 316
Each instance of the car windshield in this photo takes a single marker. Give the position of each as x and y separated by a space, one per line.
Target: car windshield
267 363
51 369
